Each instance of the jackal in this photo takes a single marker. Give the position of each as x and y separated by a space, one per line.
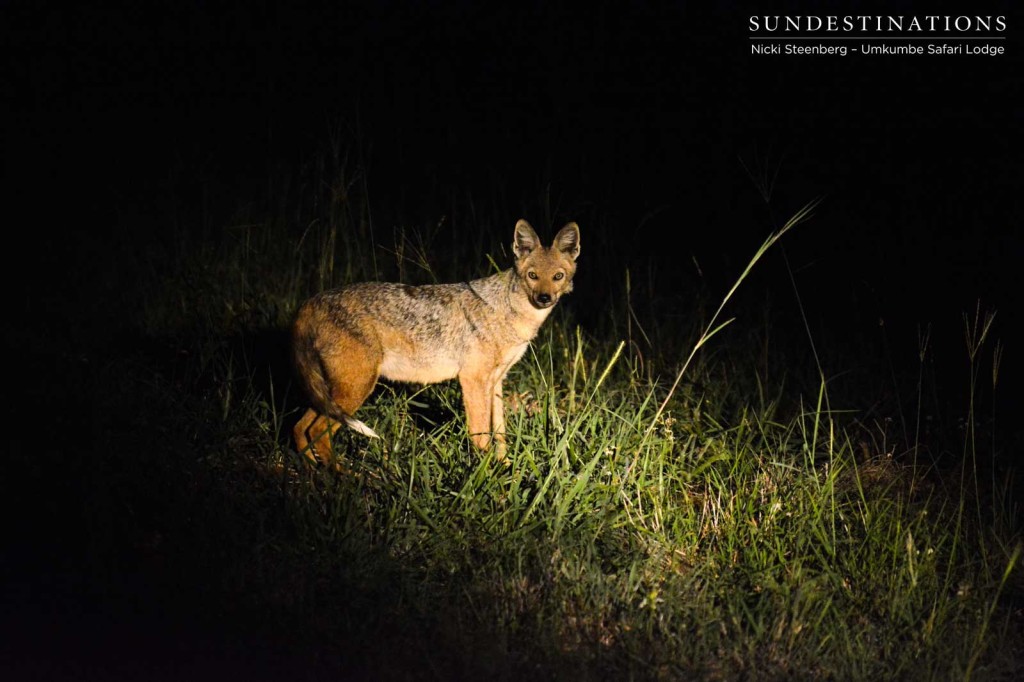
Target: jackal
345 339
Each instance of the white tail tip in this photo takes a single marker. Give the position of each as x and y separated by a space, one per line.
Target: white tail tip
360 427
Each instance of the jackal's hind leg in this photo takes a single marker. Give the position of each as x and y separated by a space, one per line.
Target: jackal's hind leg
313 436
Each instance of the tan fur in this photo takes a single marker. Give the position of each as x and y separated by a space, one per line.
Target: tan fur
347 338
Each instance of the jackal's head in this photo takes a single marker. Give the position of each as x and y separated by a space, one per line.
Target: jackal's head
545 272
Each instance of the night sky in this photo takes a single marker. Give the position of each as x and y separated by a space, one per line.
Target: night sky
650 115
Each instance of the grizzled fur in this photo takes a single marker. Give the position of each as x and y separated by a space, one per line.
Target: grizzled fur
347 338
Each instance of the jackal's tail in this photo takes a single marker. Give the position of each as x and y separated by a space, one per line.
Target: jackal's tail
310 369
356 425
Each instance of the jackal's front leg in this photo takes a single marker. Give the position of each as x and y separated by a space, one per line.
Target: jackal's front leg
498 420
477 398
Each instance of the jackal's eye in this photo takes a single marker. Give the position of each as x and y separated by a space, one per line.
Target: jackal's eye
559 275
531 274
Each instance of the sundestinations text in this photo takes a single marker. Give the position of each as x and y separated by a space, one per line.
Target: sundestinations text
882 24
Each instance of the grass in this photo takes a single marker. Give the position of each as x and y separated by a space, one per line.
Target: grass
720 525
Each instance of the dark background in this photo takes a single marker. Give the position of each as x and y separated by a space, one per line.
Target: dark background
648 120
124 122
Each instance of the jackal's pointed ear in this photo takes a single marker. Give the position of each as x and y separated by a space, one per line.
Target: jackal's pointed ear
568 240
526 240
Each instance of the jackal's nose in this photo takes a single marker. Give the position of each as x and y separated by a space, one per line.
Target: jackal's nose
543 299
